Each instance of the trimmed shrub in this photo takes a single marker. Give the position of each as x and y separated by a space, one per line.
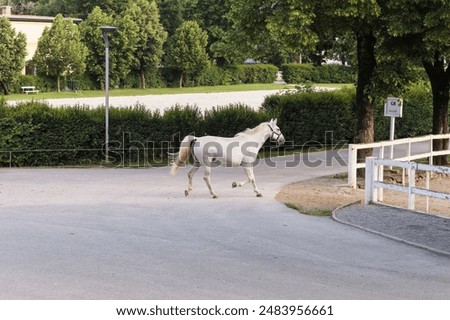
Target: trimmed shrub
215 75
308 116
180 121
38 135
327 73
305 118
256 73
417 117
229 120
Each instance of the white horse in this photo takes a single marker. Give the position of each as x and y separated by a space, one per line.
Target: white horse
241 150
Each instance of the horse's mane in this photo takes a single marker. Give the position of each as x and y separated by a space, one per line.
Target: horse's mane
248 131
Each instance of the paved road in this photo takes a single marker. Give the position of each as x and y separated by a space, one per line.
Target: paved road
131 234
159 102
419 229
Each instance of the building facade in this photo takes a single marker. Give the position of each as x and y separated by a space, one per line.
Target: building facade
31 26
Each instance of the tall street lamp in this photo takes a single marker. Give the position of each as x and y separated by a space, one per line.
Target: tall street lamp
105 31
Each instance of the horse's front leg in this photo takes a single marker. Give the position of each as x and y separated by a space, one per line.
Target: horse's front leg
191 174
207 178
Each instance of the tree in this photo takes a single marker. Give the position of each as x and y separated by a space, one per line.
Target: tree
267 23
23 7
12 54
123 44
53 7
213 18
151 35
60 52
420 31
92 37
187 50
292 25
362 19
175 12
79 8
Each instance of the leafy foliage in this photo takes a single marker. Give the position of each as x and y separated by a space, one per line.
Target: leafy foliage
187 50
330 73
229 120
257 73
417 114
92 38
123 45
151 36
12 54
60 52
307 117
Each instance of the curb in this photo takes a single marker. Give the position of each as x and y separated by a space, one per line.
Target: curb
379 233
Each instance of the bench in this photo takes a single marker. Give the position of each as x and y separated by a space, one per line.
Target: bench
29 89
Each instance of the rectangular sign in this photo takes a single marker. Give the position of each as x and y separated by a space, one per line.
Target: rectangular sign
393 107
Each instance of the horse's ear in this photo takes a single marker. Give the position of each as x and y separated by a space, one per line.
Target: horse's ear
274 121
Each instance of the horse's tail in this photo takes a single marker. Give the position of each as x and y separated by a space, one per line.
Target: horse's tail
183 155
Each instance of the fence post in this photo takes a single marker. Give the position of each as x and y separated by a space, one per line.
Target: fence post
352 160
411 184
371 173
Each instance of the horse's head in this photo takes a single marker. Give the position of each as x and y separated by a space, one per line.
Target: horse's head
276 134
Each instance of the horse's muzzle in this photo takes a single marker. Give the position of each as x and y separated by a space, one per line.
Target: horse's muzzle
281 140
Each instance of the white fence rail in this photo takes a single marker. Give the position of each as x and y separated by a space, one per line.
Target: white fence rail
375 185
402 149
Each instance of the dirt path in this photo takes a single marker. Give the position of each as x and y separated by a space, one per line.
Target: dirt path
322 195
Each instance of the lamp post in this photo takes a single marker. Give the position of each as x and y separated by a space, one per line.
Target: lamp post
105 31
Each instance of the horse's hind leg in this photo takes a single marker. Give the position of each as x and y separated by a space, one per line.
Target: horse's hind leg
241 183
251 178
191 174
207 179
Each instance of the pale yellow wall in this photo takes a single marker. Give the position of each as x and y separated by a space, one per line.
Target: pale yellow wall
33 31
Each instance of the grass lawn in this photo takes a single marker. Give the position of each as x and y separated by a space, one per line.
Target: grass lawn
156 91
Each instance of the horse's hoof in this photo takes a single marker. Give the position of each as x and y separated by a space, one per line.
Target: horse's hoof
186 193
259 195
215 196
234 185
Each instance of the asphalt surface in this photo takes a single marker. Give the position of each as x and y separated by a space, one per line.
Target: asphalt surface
132 234
415 228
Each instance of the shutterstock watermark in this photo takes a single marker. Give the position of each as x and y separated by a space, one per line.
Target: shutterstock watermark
131 152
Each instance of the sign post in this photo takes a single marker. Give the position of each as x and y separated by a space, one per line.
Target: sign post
393 108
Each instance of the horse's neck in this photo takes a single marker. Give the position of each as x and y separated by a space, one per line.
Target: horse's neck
260 134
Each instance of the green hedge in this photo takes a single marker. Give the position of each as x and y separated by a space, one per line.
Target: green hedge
256 73
229 120
417 117
327 73
166 77
305 118
38 135
215 75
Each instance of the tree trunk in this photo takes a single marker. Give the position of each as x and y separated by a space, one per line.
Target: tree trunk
440 86
181 79
365 44
142 76
5 88
58 83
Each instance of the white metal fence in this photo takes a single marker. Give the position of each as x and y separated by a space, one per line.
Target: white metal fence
375 184
402 149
